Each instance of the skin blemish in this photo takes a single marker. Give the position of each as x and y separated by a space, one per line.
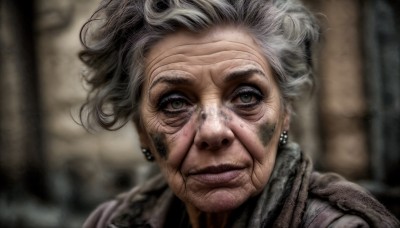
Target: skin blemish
160 144
203 116
225 116
213 113
266 132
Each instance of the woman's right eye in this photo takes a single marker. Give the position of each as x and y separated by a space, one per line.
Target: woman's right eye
174 103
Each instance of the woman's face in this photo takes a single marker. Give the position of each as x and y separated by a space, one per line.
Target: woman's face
211 114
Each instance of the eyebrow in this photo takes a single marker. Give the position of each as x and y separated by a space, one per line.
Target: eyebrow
172 80
238 74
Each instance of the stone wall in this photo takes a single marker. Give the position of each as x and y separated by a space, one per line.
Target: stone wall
39 129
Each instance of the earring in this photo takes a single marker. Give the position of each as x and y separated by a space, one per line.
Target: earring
283 139
147 154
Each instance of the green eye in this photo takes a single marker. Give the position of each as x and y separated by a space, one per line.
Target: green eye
177 104
173 103
246 98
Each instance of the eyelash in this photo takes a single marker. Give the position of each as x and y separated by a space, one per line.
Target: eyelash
248 90
167 99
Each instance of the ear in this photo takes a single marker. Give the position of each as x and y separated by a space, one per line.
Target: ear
286 119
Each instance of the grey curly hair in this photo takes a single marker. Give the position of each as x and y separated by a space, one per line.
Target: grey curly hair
119 34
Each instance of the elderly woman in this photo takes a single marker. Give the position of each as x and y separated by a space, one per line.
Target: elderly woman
209 85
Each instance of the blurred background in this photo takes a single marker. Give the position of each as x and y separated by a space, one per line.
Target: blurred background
53 172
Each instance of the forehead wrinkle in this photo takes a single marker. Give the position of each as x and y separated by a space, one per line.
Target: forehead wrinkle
171 79
183 77
177 49
224 53
204 64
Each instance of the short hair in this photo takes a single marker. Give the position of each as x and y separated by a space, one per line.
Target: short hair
120 33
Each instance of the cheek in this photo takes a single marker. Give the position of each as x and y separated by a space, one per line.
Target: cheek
180 143
167 135
262 171
172 147
160 144
256 137
266 132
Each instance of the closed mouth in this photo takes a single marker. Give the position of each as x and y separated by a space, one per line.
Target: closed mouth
217 176
215 169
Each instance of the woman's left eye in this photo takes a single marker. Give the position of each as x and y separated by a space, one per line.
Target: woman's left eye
247 96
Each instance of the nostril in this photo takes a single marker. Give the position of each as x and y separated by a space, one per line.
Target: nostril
204 145
212 146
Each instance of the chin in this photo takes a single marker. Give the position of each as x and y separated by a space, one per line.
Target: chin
219 202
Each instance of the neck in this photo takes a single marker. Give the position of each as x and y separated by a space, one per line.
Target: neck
199 219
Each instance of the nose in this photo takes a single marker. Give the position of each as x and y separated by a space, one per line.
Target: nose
213 132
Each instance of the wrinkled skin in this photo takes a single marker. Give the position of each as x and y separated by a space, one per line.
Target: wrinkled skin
211 104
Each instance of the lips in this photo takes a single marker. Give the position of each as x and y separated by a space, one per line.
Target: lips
217 175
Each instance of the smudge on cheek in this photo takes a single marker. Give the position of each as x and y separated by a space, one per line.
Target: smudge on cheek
160 144
266 132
